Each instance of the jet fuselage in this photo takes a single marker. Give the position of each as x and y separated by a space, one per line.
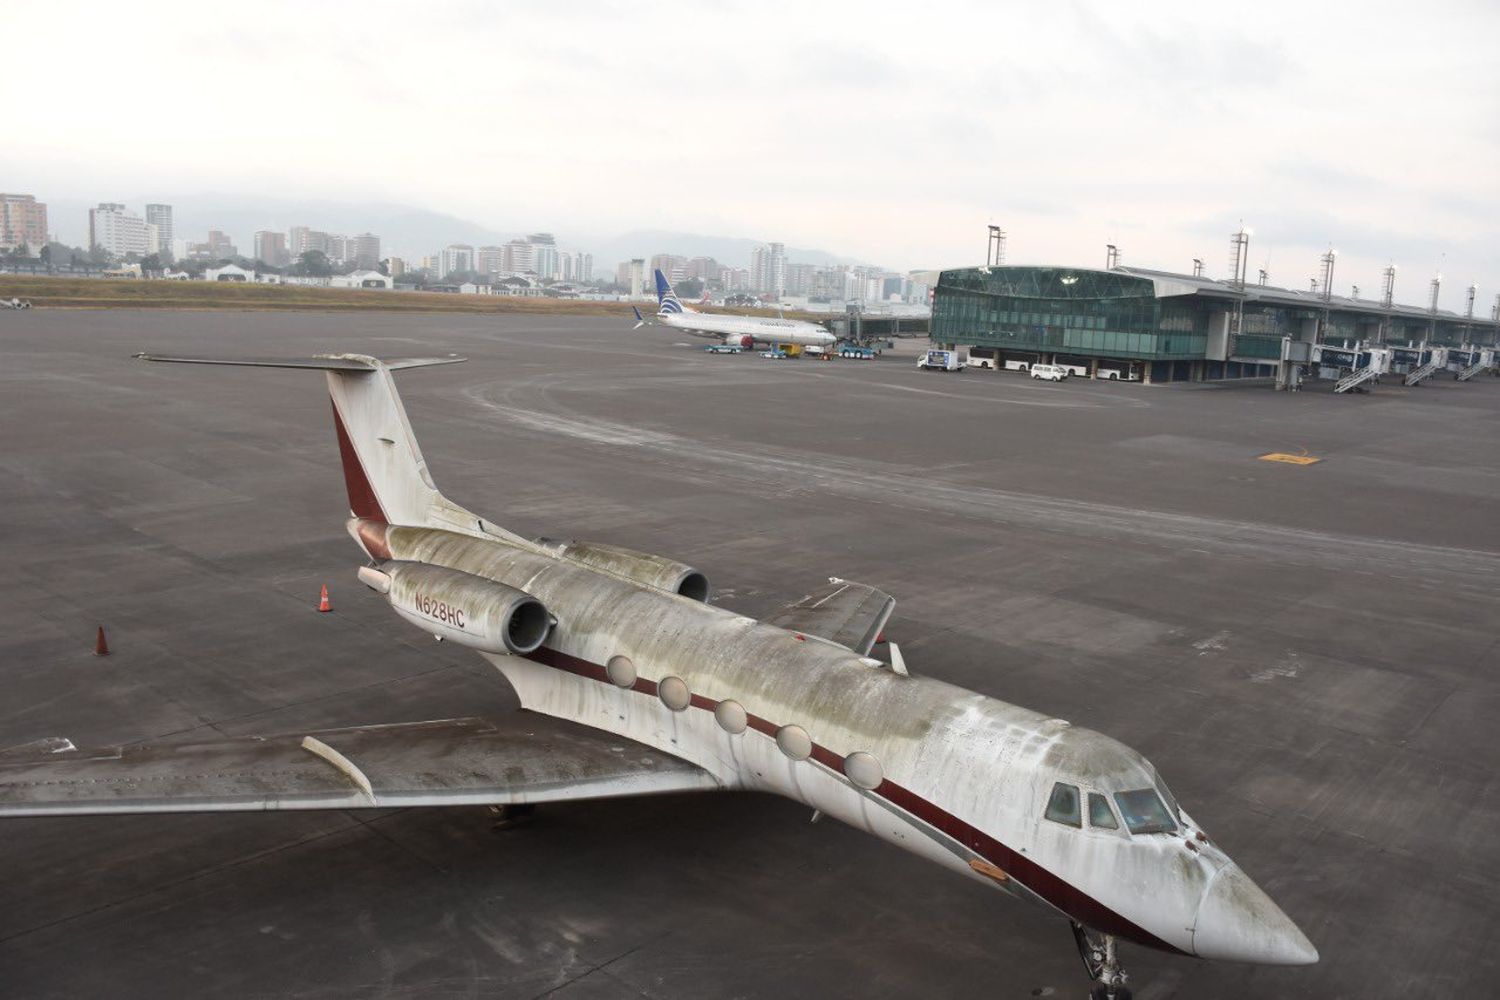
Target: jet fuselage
952 775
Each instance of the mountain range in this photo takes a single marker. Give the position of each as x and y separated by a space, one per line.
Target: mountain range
405 230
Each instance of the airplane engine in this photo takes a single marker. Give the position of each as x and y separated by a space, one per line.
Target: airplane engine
467 609
654 571
744 340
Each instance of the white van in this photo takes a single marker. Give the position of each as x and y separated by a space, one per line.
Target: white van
1049 373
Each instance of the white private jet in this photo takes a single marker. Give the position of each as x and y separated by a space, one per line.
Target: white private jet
741 331
621 645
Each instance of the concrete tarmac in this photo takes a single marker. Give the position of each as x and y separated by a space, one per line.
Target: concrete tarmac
1308 654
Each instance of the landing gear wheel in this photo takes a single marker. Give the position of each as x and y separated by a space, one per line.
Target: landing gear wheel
510 817
1098 954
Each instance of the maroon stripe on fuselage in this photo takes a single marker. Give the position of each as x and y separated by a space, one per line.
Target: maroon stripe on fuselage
362 499
1074 902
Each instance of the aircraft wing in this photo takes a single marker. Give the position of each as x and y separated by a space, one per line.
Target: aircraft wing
528 759
850 614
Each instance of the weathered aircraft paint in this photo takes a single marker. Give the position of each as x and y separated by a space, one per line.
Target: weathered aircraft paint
962 778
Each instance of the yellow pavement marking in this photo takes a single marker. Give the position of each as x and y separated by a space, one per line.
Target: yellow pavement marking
1302 459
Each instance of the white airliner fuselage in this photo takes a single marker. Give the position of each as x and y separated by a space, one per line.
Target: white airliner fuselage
740 331
747 331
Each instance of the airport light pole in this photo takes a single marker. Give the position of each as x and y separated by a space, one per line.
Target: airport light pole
1111 256
1469 314
1437 285
1387 295
995 254
1239 263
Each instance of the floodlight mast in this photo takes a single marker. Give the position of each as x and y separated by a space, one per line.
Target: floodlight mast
995 254
1387 296
1111 256
1239 262
1437 285
1469 315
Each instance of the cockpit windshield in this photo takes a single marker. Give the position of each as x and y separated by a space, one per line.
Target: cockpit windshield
1145 812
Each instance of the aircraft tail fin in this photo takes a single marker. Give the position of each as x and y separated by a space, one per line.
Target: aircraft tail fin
384 471
666 299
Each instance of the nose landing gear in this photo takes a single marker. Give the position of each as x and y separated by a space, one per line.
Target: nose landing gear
1104 967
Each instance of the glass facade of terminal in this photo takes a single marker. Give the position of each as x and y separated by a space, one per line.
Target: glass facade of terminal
1081 313
1071 311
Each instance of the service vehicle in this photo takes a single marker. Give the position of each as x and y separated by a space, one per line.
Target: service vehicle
856 352
984 357
724 349
1018 365
940 360
1118 371
1074 368
1049 373
777 355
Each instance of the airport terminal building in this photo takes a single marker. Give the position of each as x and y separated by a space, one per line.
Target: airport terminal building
1156 326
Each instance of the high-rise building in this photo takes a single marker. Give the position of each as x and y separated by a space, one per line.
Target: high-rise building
302 239
220 246
160 216
704 269
270 247
673 266
456 257
544 261
799 278
490 261
395 266
363 251
23 222
545 239
116 230
637 276
520 255
575 266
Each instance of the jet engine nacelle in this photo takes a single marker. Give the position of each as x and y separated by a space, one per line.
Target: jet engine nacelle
743 340
467 609
654 571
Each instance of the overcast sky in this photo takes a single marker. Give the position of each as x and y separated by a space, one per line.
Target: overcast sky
890 133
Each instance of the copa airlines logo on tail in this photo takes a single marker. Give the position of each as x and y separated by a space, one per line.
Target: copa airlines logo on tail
666 299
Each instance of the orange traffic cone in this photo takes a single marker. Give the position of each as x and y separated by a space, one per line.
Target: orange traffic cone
101 648
323 603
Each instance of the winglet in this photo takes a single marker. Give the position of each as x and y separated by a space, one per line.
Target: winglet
640 320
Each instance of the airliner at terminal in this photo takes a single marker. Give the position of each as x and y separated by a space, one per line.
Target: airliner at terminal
742 331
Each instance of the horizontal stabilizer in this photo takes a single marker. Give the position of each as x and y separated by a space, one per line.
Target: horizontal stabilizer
849 614
323 362
529 758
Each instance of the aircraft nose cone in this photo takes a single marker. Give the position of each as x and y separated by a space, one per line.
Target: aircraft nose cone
1237 922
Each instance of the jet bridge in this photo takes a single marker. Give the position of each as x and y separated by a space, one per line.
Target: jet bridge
1483 359
1353 369
1433 360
